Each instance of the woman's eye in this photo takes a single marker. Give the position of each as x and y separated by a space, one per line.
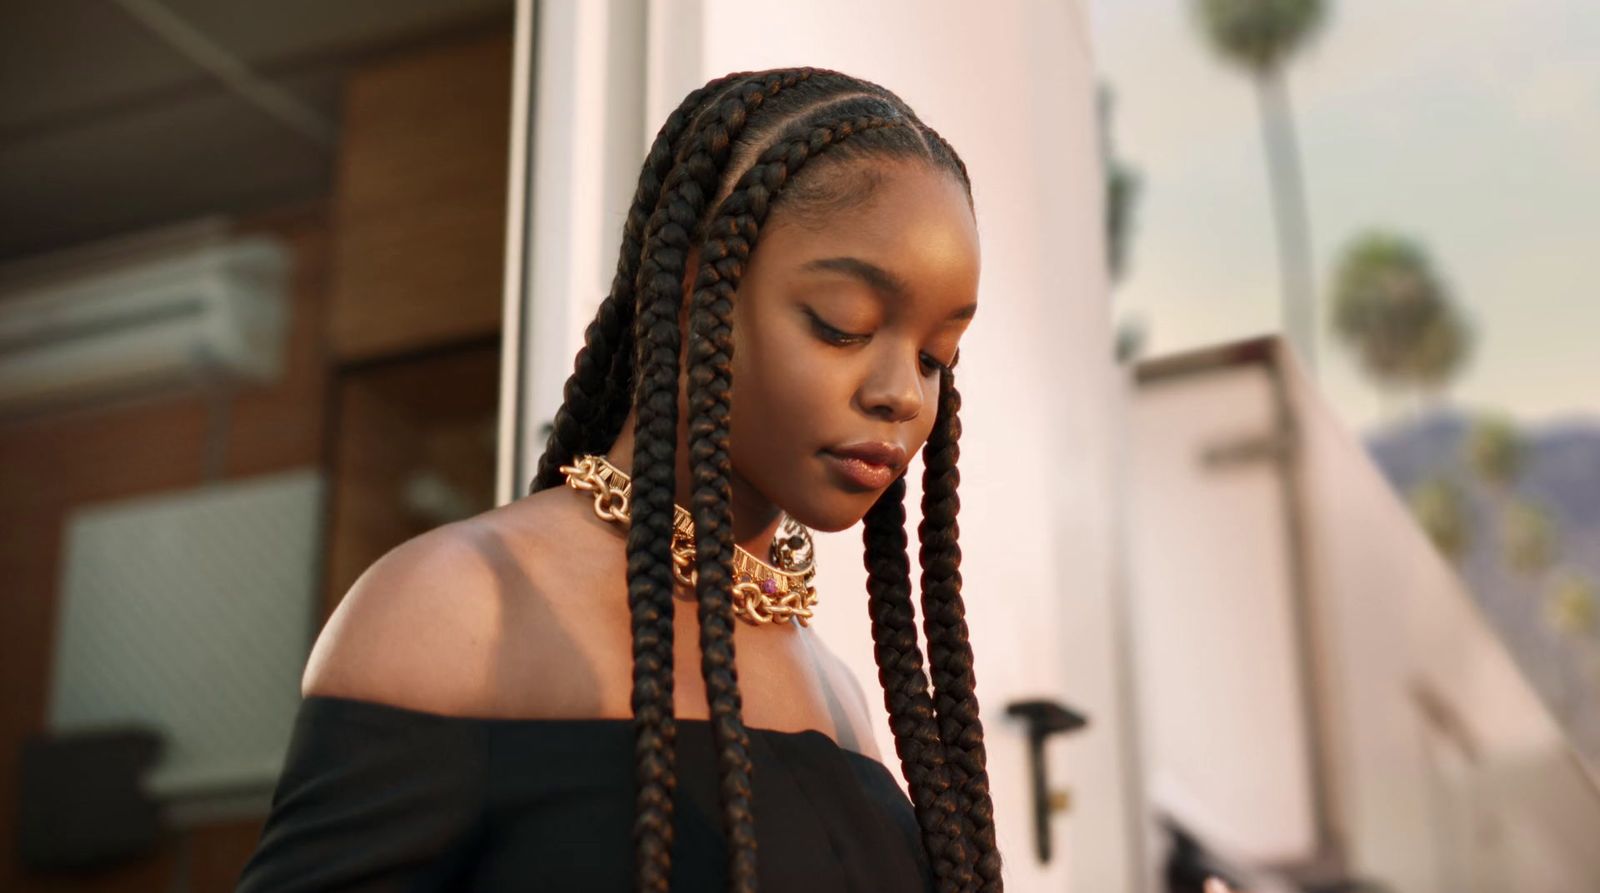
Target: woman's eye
832 335
931 365
839 337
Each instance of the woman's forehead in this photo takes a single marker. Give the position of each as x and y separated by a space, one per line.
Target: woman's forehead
914 232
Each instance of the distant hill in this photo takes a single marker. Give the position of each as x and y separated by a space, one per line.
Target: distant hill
1561 472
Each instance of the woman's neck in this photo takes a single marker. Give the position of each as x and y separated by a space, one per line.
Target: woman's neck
755 518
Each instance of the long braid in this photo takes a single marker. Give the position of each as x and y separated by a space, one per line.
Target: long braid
944 622
650 581
732 236
597 389
905 688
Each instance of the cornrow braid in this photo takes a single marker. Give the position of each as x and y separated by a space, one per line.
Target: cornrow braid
947 154
944 623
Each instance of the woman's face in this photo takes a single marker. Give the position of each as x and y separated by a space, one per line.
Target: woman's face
839 328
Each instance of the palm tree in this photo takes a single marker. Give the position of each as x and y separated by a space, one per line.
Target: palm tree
1260 36
1495 450
1570 597
1531 536
1129 343
1392 310
1572 606
1440 507
1122 186
1442 351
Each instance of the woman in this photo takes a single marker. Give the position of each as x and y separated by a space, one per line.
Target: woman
474 704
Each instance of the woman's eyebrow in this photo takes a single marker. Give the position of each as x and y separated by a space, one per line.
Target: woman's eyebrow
875 277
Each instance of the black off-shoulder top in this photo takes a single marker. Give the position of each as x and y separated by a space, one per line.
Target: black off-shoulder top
378 797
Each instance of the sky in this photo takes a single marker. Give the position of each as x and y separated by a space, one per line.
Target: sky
1473 127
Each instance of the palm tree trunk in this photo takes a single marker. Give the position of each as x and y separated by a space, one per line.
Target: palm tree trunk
1289 212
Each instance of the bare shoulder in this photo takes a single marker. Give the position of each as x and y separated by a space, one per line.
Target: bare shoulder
861 734
427 625
410 630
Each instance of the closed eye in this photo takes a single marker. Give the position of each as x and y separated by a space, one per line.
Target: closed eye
840 338
832 335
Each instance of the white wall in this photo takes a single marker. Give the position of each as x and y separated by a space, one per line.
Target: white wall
577 127
1222 718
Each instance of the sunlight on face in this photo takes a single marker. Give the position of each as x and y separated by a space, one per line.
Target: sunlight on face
840 329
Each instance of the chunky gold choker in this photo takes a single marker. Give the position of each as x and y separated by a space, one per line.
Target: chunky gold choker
762 593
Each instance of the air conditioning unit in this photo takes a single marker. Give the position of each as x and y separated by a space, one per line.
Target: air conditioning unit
205 314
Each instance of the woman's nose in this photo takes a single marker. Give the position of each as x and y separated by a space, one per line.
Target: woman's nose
894 389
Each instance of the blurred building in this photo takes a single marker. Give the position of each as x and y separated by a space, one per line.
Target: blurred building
250 316
1321 699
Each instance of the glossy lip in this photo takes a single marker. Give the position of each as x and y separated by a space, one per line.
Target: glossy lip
869 465
873 452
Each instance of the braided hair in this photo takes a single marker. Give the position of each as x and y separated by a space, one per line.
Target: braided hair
734 151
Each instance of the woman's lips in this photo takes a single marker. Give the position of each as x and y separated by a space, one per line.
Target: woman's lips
859 472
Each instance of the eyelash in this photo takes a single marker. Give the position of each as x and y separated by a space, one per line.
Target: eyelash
843 339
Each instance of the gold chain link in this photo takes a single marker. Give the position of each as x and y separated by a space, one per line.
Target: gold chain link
762 593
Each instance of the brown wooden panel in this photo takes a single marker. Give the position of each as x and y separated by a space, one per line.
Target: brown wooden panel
419 202
431 414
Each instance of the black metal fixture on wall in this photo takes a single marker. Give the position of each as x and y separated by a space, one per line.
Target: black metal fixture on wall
1044 718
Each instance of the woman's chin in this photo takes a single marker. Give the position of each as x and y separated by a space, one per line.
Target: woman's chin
833 518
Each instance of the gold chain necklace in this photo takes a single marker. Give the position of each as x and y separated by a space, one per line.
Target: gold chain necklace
762 593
